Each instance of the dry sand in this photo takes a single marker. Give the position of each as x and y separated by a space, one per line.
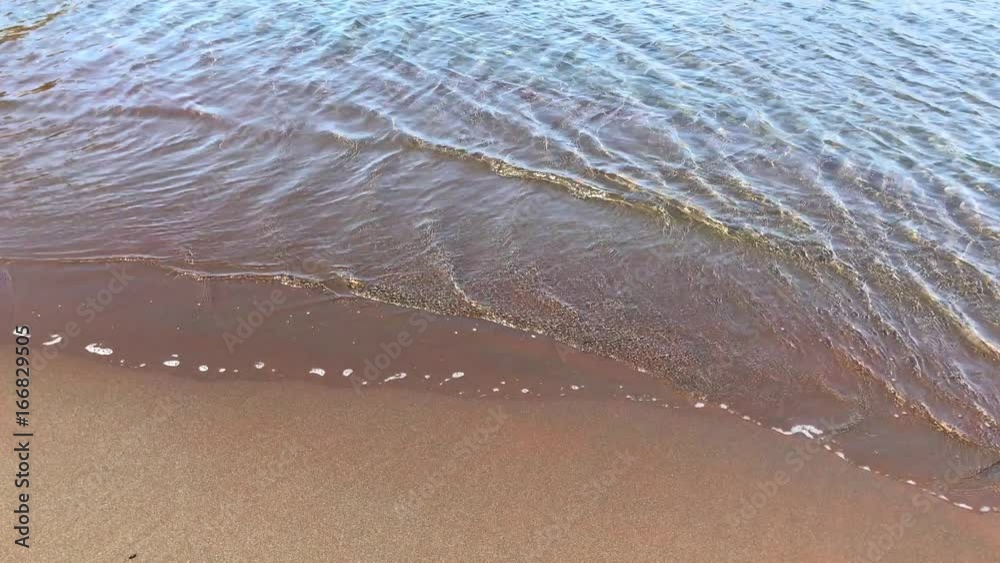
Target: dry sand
164 468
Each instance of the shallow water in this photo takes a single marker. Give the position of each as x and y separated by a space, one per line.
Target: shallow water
792 205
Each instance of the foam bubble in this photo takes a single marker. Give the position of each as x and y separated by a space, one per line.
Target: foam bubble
724 406
259 365
911 482
984 509
203 369
347 372
963 505
807 430
525 390
95 349
458 375
171 363
699 405
400 375
56 339
574 387
318 371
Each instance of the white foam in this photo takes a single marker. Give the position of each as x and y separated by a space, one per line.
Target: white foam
724 406
400 375
525 390
95 349
56 339
259 365
222 370
347 372
142 365
807 430
171 363
458 375
840 455
984 509
496 389
963 505
203 369
911 482
699 405
318 371
427 376
574 387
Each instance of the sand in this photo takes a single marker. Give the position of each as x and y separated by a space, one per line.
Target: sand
146 464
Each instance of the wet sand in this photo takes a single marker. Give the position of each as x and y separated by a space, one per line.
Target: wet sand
253 328
179 469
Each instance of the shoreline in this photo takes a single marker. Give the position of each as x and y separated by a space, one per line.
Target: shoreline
167 468
136 316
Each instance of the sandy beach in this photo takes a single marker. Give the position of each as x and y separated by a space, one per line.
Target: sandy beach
146 464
